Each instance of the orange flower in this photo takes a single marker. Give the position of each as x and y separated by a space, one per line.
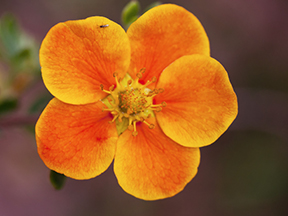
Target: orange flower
174 99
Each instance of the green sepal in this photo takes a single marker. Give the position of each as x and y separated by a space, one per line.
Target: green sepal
130 13
57 180
120 126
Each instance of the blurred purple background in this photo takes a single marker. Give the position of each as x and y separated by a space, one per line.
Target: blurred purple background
244 173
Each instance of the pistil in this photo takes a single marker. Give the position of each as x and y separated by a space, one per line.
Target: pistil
133 101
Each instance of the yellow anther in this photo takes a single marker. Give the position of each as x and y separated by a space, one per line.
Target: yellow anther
132 101
151 126
156 91
129 82
158 109
101 87
142 70
164 104
154 79
130 127
111 88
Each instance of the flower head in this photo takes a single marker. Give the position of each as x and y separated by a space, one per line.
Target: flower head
147 99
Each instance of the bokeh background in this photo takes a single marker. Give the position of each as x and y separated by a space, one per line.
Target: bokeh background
245 172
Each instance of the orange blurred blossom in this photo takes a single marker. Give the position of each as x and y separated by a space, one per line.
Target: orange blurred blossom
159 84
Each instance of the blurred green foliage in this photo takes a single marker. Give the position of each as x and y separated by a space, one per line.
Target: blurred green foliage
57 180
19 65
131 12
17 48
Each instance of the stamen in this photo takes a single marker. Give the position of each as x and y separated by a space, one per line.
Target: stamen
115 74
157 109
142 70
153 80
105 109
151 126
134 133
120 118
102 88
163 104
156 91
115 117
111 88
132 101
129 82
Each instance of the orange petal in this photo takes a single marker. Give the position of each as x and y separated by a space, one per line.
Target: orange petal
76 140
77 56
162 35
201 103
151 166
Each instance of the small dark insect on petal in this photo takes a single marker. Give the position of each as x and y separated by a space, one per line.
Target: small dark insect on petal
103 26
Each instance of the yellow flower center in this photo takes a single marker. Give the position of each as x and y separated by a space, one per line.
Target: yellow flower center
133 101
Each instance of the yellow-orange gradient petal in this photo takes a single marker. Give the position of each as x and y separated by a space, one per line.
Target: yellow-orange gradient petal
151 166
77 56
201 103
77 140
162 35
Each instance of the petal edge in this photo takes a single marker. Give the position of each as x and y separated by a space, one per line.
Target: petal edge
201 103
151 166
76 140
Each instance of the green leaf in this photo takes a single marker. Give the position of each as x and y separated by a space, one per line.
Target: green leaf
17 48
130 13
57 180
9 34
8 105
154 4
